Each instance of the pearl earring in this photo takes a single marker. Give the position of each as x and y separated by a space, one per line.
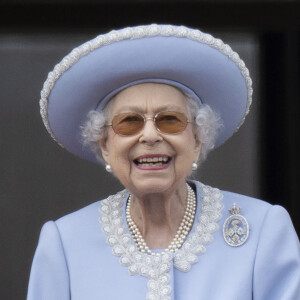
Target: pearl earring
194 166
108 168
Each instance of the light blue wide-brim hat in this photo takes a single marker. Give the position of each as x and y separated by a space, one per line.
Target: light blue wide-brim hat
189 59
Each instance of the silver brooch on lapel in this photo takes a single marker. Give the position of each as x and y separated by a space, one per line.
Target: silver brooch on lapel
235 228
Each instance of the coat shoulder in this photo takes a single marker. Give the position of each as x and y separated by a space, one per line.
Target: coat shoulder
80 222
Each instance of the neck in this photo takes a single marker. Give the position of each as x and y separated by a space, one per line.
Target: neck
158 216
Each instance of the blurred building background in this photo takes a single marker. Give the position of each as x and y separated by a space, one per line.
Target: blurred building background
40 181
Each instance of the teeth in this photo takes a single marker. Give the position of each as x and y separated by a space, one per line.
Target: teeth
152 164
152 160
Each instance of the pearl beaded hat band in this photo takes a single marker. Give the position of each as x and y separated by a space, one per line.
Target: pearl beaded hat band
188 59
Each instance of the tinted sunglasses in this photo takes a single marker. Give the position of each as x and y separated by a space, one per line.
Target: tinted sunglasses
170 122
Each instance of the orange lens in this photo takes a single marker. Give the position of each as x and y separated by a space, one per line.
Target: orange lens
127 123
170 122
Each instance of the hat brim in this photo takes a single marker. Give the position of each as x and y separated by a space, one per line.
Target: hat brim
211 71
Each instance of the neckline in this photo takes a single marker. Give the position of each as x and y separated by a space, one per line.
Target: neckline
198 193
182 230
208 213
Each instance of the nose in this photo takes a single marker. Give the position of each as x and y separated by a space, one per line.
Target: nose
150 134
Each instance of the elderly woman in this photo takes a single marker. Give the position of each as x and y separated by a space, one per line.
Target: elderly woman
151 101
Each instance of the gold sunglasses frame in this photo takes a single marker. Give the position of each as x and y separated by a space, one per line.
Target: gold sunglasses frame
153 118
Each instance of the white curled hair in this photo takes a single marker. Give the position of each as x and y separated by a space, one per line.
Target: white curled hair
206 126
94 130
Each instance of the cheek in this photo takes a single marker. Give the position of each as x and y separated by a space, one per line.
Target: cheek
186 150
119 152
188 141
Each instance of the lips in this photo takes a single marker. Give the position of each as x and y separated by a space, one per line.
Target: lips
152 161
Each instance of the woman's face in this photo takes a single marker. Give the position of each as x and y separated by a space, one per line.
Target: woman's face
125 153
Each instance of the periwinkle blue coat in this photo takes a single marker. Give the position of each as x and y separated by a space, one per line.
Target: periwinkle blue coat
74 261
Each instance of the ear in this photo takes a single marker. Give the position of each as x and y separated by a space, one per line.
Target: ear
197 149
103 144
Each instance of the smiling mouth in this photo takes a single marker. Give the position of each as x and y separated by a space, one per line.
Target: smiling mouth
152 161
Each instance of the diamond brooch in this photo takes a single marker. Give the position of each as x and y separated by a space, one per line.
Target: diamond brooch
235 228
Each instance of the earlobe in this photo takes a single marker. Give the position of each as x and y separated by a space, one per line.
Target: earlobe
104 149
197 152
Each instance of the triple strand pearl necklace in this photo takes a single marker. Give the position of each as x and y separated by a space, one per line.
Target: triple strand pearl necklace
181 234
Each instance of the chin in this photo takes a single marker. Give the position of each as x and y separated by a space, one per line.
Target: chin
154 185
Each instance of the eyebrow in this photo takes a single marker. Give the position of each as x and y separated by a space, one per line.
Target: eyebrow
142 111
